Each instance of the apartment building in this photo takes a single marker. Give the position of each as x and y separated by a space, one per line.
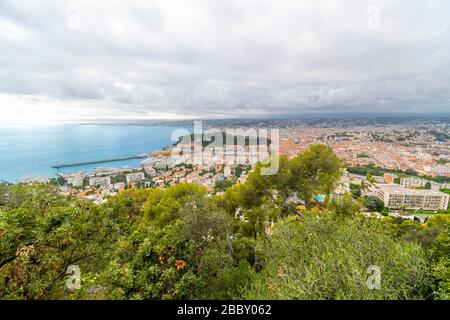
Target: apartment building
135 177
75 179
419 182
397 197
100 181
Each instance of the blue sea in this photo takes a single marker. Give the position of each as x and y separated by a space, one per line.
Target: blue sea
31 151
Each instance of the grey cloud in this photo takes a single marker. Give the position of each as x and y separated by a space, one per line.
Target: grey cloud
228 58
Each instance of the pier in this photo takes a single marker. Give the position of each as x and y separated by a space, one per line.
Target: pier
79 163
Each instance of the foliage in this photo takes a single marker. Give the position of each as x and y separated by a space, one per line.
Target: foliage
222 185
41 238
164 205
324 258
362 155
240 169
374 204
346 206
356 190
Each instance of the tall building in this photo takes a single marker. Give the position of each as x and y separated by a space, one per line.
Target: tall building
100 181
419 182
135 177
396 197
75 179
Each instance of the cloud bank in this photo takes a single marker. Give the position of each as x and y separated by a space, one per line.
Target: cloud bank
90 59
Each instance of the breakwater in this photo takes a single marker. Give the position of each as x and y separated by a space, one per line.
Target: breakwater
79 163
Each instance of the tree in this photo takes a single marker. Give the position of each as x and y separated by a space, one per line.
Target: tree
428 185
210 229
222 185
374 204
440 254
128 205
264 198
59 181
44 236
356 190
315 171
4 194
434 237
310 173
346 206
164 206
324 258
186 258
153 262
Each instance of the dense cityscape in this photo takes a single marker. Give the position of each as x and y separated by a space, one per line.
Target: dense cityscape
412 160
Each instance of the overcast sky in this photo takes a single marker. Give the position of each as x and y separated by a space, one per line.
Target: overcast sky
70 60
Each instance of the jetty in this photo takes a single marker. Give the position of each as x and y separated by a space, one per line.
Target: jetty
79 163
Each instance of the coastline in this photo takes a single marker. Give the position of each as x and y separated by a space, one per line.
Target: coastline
31 152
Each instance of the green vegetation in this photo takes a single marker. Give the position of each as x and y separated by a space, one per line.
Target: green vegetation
323 262
356 190
241 168
222 185
119 178
363 155
374 204
60 181
439 135
428 212
249 242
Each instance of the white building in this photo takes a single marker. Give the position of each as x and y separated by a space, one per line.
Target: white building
413 182
420 183
32 180
396 197
440 170
76 180
100 181
150 171
135 177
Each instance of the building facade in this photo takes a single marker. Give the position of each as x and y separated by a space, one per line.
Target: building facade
396 197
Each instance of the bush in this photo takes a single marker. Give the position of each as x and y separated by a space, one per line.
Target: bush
374 204
323 258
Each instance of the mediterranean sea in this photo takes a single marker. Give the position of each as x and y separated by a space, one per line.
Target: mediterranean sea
31 151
